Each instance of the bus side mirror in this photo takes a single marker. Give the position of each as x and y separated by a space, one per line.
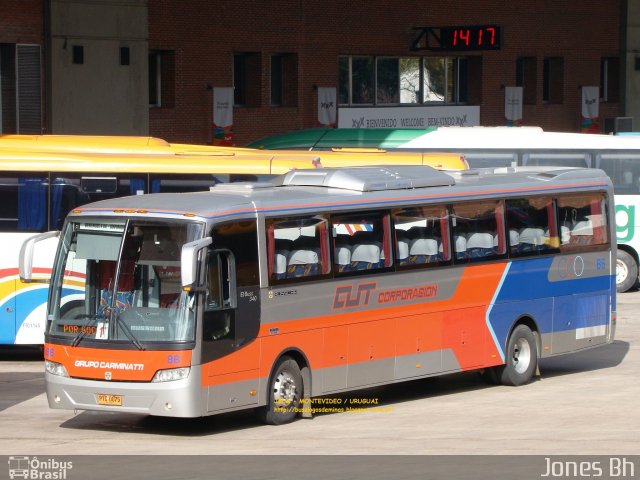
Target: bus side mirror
189 260
25 260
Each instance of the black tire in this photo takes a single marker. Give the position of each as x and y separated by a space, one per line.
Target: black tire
285 392
521 358
626 271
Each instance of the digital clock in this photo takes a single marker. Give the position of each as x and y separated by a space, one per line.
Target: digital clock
478 37
459 38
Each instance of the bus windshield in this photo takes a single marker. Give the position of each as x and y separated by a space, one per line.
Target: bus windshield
120 281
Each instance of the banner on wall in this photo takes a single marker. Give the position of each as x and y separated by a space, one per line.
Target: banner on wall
513 106
590 110
327 106
409 117
223 116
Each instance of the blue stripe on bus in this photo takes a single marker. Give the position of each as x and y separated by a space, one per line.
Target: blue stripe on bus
26 302
490 309
555 306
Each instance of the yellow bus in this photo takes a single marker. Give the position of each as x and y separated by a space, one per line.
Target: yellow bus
42 178
126 145
38 189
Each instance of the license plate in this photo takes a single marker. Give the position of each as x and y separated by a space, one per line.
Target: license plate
111 400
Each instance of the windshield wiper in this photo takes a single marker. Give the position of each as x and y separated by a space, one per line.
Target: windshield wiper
93 320
127 331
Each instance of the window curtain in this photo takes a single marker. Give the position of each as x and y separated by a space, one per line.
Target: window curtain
135 185
56 219
32 204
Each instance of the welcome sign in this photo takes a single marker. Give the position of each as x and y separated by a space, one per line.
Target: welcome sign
409 117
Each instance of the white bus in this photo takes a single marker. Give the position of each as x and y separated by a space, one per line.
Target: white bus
618 156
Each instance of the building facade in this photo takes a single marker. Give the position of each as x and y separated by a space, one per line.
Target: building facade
140 67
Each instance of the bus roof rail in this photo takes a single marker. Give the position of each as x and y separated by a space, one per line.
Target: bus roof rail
239 187
367 179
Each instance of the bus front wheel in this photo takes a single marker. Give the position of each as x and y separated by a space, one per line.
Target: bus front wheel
626 271
521 358
285 392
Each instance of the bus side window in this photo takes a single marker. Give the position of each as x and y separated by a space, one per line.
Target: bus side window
478 230
583 220
532 226
362 242
240 238
297 248
421 235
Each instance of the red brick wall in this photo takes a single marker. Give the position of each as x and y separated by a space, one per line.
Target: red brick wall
21 21
205 35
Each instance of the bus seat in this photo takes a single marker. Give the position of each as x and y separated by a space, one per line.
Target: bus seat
423 250
402 243
281 264
514 239
365 256
460 242
343 257
531 239
302 262
480 244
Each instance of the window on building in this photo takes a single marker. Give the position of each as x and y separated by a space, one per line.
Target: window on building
362 80
408 80
344 80
161 78
387 80
78 54
527 78
125 55
276 80
434 79
20 89
284 79
610 79
553 80
246 79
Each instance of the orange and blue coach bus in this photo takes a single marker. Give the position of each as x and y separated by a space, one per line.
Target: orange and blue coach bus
265 295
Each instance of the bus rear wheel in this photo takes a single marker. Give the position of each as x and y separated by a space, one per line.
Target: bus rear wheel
626 271
285 392
521 358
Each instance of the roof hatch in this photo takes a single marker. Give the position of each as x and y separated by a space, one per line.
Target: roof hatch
368 179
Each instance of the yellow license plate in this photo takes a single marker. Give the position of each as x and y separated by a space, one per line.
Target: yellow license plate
111 400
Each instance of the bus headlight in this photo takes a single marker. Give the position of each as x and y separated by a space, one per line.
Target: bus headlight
171 374
55 368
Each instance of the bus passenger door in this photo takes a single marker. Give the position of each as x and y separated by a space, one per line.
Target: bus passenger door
230 323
